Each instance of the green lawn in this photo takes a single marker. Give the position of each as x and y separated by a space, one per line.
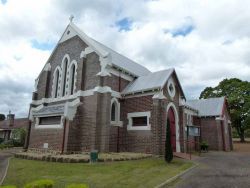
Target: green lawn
139 173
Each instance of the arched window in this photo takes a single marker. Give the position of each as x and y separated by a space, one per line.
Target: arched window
65 69
72 78
114 111
56 83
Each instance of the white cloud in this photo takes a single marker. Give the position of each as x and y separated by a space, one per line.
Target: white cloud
218 46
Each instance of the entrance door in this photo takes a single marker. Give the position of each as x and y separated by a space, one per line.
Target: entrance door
172 128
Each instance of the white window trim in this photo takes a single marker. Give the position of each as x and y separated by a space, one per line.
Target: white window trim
54 126
66 56
138 114
69 77
117 121
171 93
54 82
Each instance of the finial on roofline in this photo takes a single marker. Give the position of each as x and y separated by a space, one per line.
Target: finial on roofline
71 18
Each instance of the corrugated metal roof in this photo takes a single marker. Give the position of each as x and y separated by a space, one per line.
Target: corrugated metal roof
18 123
208 107
151 81
124 63
50 110
116 58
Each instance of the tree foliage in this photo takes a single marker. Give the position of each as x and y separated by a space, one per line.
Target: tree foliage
19 135
168 146
237 93
2 117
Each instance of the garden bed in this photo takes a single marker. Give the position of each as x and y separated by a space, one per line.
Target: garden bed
81 157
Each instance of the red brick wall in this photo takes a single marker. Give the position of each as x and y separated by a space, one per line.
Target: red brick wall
86 68
226 129
132 140
211 133
53 137
113 82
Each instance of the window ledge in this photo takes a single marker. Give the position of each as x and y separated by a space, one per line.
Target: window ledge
117 123
139 128
58 126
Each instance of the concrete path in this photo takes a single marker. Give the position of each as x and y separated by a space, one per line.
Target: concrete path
3 164
219 170
4 156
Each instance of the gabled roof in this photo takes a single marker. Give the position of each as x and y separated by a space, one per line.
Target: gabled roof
123 62
208 107
155 80
18 123
151 81
117 59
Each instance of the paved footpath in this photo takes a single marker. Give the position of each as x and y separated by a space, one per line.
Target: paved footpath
4 156
219 170
3 164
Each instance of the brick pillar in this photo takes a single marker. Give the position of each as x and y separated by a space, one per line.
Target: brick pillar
103 121
102 118
156 127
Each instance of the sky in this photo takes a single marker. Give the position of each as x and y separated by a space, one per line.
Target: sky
205 41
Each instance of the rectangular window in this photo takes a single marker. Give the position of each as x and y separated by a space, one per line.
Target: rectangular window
139 121
52 120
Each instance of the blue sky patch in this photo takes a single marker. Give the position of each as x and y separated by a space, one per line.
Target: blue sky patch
3 1
183 31
124 24
42 46
227 42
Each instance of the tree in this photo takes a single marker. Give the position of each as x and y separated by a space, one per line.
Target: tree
19 136
237 93
2 117
168 146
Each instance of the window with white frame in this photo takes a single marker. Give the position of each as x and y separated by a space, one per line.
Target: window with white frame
47 122
139 121
115 112
51 120
64 80
72 77
56 82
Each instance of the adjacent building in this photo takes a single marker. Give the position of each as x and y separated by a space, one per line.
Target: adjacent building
10 124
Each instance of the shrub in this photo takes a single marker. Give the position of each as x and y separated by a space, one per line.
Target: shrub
2 117
18 136
6 144
40 184
7 186
168 147
77 186
1 140
204 146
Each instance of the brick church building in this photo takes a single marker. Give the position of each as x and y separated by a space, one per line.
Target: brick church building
88 97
